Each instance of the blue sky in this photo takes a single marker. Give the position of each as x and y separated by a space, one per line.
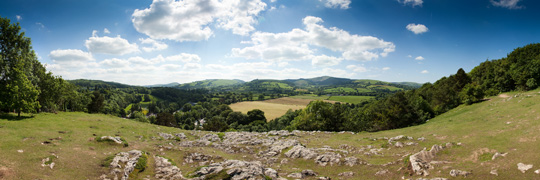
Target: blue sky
162 41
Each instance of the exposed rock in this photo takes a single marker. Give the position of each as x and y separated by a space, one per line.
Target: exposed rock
277 147
165 170
381 172
180 135
411 143
396 138
284 161
438 178
420 162
524 167
448 145
456 173
245 138
48 161
20 151
308 172
210 137
127 160
235 168
421 139
197 157
282 133
117 140
537 171
346 174
328 158
166 136
497 154
494 172
324 178
271 173
299 151
398 144
351 161
295 175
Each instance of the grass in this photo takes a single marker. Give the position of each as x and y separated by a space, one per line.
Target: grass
351 99
271 110
502 124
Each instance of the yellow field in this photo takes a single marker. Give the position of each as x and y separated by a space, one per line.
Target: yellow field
272 108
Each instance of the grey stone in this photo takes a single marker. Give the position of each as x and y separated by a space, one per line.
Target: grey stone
524 167
456 173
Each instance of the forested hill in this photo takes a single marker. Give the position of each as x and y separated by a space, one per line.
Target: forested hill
98 84
210 83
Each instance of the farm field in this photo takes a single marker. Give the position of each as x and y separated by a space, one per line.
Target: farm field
273 108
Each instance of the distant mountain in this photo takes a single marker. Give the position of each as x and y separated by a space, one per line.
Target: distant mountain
319 81
174 84
210 83
98 84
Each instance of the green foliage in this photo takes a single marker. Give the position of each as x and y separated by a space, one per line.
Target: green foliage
485 157
216 123
221 175
142 163
166 119
221 135
108 160
96 104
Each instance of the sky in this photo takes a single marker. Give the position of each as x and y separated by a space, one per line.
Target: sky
147 42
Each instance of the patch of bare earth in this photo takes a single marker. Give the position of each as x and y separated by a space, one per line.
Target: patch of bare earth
504 96
5 173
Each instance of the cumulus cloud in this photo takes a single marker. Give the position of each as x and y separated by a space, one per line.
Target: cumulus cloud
324 60
18 17
184 57
386 68
510 4
115 63
356 68
299 44
424 72
417 28
149 45
110 45
342 4
190 20
419 58
70 55
413 3
106 31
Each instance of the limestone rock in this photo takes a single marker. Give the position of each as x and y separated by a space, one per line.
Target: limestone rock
210 137
398 144
117 140
524 167
351 161
494 172
235 168
271 173
308 172
282 133
123 164
277 147
166 136
381 172
456 173
165 170
537 171
180 135
295 175
328 158
299 151
497 154
346 174
420 162
197 157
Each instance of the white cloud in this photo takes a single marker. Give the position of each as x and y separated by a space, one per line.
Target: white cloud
417 28
192 66
409 56
386 68
171 67
184 57
424 72
106 31
356 68
115 63
298 44
18 17
510 4
152 45
342 4
70 55
283 64
419 58
110 45
324 60
190 20
413 3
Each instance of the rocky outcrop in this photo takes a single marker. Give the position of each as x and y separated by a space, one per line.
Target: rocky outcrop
328 158
237 169
351 161
122 165
117 140
300 151
497 154
197 157
210 137
346 174
420 162
282 133
165 170
180 135
277 147
166 136
524 167
456 173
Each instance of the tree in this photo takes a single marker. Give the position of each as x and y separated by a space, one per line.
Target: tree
166 119
17 91
96 104
255 115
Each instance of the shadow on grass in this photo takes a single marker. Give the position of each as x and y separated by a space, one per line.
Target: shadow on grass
14 117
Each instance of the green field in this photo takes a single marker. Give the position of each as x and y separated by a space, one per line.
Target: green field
351 99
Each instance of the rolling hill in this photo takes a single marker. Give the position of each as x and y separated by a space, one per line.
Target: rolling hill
486 140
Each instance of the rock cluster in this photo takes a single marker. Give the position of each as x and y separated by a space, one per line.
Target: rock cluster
456 173
524 167
122 165
300 151
165 169
277 147
238 170
117 140
328 158
166 136
420 162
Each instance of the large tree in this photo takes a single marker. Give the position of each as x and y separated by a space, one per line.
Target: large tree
18 89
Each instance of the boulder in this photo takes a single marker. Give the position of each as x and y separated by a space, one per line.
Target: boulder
277 147
497 154
271 173
524 167
235 168
197 157
381 172
123 164
116 140
456 173
346 174
494 172
308 172
351 161
180 135
295 175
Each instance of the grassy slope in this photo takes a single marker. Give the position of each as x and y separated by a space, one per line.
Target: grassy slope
502 124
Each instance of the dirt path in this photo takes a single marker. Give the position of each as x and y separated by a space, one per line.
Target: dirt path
504 95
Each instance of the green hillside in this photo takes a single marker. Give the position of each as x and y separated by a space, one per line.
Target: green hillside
508 123
98 83
210 83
